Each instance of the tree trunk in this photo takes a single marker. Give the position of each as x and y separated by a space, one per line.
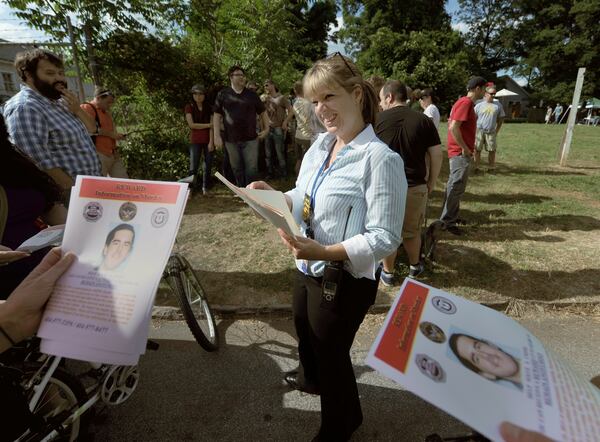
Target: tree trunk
93 66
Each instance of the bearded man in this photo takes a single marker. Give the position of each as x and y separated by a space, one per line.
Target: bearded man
45 122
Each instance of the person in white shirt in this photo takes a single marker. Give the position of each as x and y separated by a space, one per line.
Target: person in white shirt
349 198
304 132
430 109
490 115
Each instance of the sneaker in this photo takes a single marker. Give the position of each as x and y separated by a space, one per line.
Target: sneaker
455 230
417 270
387 278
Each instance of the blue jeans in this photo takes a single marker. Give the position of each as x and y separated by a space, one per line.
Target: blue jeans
455 188
196 150
275 142
243 156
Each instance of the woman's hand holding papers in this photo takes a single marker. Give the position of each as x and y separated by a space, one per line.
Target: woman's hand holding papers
21 314
306 248
260 185
513 433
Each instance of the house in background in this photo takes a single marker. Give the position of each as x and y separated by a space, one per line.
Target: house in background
10 81
516 106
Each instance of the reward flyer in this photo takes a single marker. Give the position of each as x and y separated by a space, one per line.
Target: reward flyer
482 367
122 232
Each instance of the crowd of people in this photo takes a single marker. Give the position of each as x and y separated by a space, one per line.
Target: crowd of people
366 164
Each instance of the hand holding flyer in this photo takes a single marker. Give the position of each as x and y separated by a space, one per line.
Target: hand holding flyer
482 367
122 232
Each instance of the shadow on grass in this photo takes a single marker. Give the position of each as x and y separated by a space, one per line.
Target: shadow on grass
246 289
521 170
482 227
494 275
511 198
213 203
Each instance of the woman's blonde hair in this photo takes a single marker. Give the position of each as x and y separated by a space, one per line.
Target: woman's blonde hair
337 70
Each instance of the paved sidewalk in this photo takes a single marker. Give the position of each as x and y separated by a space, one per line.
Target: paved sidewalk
237 393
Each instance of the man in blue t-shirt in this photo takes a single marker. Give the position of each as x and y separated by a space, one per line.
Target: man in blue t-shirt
237 107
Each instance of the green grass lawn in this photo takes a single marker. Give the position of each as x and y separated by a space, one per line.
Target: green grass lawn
533 233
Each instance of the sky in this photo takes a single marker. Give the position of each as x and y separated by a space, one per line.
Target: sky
451 7
13 30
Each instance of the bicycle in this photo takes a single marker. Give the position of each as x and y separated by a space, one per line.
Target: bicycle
193 301
55 402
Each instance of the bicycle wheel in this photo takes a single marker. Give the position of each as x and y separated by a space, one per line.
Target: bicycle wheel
61 396
193 302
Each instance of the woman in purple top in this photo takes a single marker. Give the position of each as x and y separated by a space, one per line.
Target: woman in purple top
29 199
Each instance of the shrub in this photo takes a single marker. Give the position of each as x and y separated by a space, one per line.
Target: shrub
157 143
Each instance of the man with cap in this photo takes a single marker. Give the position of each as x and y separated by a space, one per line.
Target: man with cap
198 116
106 135
462 125
45 122
490 115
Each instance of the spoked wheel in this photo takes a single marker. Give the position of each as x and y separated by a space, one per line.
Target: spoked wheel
193 302
63 394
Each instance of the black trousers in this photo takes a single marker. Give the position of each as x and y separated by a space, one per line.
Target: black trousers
324 340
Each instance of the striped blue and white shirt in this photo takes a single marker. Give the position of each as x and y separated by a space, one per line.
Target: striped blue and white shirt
48 133
365 187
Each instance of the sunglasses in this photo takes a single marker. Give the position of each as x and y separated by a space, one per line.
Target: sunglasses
338 54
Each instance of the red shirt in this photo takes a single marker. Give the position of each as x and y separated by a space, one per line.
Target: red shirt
463 111
105 145
198 136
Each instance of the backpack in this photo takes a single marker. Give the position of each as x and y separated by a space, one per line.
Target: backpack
93 137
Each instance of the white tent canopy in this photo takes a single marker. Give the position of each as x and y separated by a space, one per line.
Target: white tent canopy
506 93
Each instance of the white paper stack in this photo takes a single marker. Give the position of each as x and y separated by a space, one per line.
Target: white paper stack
122 232
270 204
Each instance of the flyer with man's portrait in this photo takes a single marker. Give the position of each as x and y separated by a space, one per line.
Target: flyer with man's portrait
482 367
122 232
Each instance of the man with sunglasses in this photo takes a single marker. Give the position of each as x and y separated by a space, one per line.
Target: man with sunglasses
490 116
106 135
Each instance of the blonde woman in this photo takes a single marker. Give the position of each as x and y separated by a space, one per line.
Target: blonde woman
349 199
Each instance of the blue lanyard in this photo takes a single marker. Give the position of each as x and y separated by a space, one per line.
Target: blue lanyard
317 183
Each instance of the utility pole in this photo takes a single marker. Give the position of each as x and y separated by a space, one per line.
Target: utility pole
568 136
87 32
75 58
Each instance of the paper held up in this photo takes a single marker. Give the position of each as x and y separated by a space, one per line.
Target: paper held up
51 236
482 367
270 204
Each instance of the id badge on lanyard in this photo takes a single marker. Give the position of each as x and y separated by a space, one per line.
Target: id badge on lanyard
308 207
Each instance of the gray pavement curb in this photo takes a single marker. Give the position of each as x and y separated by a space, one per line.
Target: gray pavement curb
174 313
